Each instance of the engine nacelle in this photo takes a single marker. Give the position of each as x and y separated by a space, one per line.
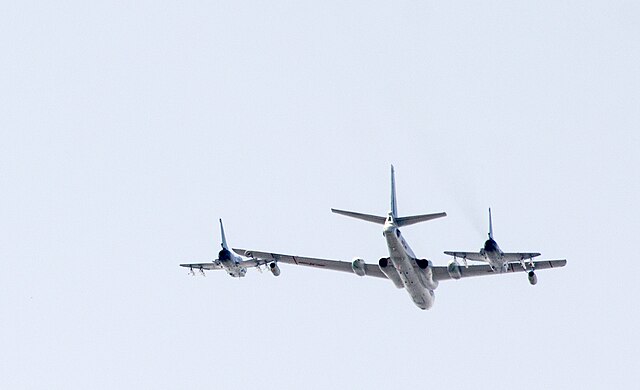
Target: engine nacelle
390 272
533 279
275 270
425 274
359 267
453 268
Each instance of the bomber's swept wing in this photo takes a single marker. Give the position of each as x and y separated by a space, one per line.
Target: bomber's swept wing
441 273
344 266
474 256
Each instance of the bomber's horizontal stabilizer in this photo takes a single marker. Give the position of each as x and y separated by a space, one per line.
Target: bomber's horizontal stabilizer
400 221
406 221
365 217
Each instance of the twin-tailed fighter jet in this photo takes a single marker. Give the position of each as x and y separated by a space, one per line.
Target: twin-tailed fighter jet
419 277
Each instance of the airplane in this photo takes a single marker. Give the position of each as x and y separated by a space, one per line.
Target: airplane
497 259
234 265
419 277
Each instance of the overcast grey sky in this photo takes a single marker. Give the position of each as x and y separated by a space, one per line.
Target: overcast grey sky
128 129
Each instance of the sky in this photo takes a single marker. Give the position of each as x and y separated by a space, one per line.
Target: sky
128 128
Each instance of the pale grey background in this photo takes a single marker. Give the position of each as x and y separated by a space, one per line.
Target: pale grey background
129 128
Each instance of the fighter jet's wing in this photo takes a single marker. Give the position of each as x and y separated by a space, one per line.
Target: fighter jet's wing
204 266
344 266
441 273
513 257
475 256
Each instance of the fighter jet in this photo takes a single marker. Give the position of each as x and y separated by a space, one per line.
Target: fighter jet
497 259
233 264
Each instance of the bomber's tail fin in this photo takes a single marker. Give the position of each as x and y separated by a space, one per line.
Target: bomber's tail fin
490 225
400 221
394 205
224 239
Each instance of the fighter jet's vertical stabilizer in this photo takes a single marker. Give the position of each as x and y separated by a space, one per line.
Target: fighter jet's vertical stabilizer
224 239
490 225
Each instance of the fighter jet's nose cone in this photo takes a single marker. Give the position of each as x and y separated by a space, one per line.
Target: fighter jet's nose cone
490 245
224 255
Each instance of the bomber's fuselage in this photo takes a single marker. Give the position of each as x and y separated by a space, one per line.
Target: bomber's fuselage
404 261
